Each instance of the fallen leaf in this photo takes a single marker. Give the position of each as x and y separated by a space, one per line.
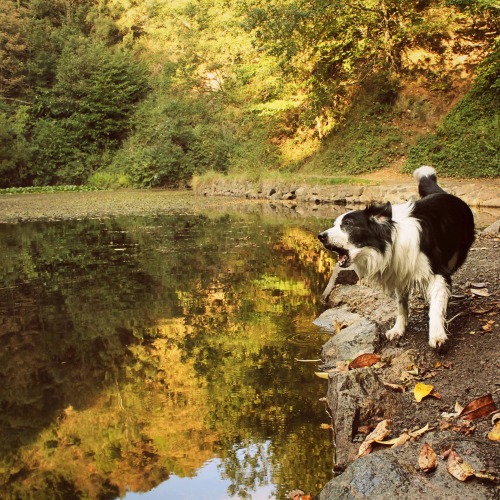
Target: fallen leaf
421 391
481 310
481 292
466 428
495 417
445 452
421 431
458 467
396 387
478 408
378 434
398 441
494 434
364 360
365 429
436 395
478 285
427 460
488 327
325 426
485 475
458 411
322 375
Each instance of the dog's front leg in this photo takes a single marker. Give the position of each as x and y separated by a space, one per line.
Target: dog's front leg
439 292
399 328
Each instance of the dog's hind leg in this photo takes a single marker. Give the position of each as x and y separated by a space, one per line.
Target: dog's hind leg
439 291
399 328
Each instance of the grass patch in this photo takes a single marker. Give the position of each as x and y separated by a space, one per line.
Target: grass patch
467 144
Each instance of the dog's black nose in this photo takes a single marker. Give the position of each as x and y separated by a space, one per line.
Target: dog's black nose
323 237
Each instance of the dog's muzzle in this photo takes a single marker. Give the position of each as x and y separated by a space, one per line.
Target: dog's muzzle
343 260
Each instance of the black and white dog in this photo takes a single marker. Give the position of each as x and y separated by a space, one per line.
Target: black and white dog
415 246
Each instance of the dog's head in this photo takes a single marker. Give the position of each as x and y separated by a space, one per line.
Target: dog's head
357 230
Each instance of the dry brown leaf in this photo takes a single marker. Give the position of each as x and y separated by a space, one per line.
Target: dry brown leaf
396 387
364 360
365 429
458 467
481 292
478 408
494 434
445 452
466 428
421 391
427 460
378 434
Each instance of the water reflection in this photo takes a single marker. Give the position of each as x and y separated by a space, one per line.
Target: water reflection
135 350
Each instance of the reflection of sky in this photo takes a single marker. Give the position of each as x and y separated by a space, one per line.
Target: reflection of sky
207 484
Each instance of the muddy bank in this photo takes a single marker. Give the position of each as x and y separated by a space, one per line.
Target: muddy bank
467 369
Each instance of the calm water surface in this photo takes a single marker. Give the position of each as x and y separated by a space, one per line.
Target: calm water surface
155 357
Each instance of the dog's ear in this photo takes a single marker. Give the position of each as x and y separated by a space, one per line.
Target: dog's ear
379 213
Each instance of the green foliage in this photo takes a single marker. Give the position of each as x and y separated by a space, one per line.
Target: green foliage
158 91
467 144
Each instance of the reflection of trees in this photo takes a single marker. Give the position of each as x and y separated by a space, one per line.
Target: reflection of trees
137 348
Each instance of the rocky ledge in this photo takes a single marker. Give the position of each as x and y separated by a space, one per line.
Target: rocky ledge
477 193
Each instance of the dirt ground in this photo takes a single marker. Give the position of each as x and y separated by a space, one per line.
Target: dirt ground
468 366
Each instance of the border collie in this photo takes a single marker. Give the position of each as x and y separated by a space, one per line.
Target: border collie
415 246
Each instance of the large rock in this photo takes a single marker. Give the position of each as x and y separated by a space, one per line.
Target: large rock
357 335
355 398
393 474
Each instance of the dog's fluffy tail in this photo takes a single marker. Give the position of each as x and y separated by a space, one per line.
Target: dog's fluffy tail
427 181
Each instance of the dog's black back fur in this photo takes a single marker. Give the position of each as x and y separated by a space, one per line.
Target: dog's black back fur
447 227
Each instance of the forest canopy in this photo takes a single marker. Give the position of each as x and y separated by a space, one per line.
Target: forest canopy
149 92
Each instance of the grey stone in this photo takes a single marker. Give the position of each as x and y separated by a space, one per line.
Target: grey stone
393 473
358 337
355 398
493 229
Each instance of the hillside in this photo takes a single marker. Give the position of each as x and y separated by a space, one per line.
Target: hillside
147 94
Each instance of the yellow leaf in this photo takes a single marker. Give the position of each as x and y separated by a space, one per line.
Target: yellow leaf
321 374
422 390
494 434
424 429
400 440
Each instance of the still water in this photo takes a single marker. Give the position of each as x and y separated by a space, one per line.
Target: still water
155 357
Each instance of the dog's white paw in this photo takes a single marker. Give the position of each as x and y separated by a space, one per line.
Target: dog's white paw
394 333
437 338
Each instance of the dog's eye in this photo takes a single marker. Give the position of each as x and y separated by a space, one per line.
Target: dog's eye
347 222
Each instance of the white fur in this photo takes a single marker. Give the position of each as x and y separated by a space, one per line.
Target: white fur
401 269
423 171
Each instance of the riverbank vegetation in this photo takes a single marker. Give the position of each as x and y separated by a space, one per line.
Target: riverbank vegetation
148 93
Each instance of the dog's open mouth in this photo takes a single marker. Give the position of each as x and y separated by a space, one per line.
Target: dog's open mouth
343 260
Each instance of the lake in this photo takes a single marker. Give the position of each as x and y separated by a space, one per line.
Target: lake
156 356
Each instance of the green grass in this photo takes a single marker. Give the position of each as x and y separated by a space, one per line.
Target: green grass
45 189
